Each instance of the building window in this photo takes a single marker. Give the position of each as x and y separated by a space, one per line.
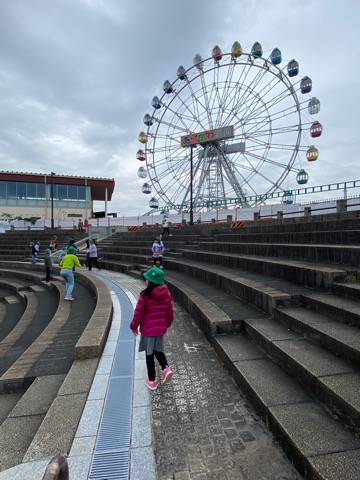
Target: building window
29 193
41 191
2 189
72 192
31 190
82 193
11 189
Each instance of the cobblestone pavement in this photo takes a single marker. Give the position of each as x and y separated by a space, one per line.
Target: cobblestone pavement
203 427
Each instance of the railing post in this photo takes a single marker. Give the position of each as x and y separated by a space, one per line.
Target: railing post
307 211
341 205
57 469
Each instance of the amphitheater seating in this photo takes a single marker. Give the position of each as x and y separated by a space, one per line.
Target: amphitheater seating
279 301
48 356
15 244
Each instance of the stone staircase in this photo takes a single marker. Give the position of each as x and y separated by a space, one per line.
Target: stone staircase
280 303
49 352
15 244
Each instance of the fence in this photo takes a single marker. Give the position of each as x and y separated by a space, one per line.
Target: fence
237 214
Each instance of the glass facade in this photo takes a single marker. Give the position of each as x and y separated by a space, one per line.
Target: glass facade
40 194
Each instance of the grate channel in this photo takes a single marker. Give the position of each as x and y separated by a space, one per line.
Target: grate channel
111 457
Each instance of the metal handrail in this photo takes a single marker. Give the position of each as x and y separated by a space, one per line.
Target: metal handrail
57 469
299 212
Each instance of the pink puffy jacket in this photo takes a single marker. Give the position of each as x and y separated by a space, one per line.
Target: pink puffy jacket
155 314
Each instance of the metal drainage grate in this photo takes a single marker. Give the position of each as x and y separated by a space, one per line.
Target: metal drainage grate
110 466
111 458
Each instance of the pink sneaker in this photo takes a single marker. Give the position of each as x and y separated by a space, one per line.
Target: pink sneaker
166 375
151 385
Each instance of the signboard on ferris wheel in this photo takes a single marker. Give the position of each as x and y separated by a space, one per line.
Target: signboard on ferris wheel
207 136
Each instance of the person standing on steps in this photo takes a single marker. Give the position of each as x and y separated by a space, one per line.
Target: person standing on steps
71 244
158 250
153 315
67 264
93 255
62 253
33 253
53 243
48 265
86 261
166 229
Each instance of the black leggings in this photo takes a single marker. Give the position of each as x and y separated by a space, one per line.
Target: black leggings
156 259
150 363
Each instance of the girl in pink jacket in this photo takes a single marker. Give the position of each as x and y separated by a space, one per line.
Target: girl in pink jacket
153 315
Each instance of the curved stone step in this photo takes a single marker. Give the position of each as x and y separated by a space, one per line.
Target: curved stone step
312 439
341 339
331 380
283 403
342 309
309 274
334 254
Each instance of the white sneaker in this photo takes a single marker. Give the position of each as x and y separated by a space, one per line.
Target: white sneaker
69 298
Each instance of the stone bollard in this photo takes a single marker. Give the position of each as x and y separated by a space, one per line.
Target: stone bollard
256 216
229 219
144 224
183 222
307 212
280 215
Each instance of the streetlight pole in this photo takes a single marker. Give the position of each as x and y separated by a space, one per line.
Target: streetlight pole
191 186
52 200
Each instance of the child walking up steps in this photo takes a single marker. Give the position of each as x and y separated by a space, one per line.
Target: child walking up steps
153 315
158 250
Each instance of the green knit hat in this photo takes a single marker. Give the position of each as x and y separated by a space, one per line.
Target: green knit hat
155 275
158 239
47 250
71 250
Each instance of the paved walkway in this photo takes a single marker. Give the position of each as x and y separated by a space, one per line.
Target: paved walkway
198 427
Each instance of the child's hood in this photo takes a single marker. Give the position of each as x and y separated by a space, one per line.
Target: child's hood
160 293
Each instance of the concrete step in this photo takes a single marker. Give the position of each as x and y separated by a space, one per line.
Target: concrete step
318 445
310 274
350 290
45 424
287 393
289 236
57 429
337 254
338 338
23 421
331 380
340 308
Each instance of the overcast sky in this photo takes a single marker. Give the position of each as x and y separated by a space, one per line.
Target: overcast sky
77 77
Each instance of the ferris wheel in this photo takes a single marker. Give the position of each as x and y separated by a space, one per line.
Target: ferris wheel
228 129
